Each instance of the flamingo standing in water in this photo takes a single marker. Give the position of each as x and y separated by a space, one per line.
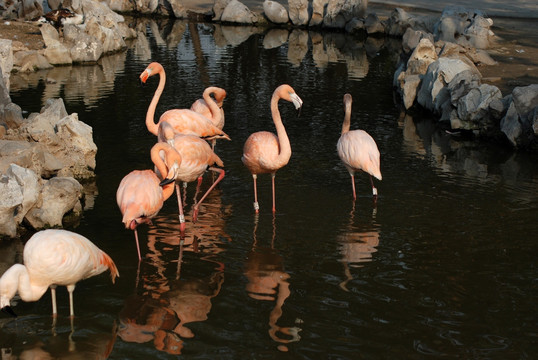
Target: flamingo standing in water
358 150
206 107
197 157
140 196
51 258
184 121
265 152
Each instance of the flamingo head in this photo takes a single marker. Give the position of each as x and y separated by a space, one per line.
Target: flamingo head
287 93
152 69
9 283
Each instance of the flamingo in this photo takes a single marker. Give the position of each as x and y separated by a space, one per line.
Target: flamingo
358 150
265 152
197 157
53 257
211 108
184 121
140 196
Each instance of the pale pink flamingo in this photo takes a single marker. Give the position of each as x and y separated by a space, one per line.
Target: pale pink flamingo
197 157
140 196
211 108
358 150
184 121
51 258
265 152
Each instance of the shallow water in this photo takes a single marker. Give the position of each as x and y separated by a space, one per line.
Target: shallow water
442 265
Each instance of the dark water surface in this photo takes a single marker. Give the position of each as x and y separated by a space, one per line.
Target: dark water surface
443 266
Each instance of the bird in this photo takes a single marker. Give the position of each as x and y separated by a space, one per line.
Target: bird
358 150
197 157
54 257
265 152
211 108
183 121
140 196
60 17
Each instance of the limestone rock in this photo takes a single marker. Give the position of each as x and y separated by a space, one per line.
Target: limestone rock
237 12
275 12
298 12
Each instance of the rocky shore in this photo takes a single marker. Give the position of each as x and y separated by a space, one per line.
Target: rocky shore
45 157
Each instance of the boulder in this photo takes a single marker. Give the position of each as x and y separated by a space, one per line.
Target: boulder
339 12
30 9
30 185
10 201
465 27
218 8
519 122
298 12
412 37
318 12
59 196
473 109
237 12
373 24
275 12
6 63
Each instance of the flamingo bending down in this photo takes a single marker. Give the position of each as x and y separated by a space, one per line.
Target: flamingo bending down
211 108
140 196
51 258
265 152
184 121
197 157
358 150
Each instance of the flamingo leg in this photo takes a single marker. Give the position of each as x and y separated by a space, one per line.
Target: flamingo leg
197 205
273 187
256 205
137 244
353 187
53 297
182 225
374 190
70 289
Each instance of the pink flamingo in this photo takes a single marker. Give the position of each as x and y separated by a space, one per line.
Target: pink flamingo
197 157
265 152
206 107
184 121
51 258
140 196
358 150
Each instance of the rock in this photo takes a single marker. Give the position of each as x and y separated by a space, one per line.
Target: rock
318 12
237 12
10 201
355 25
464 27
409 89
275 12
373 25
423 55
33 156
110 39
339 12
56 53
412 37
30 185
473 108
297 46
5 99
11 114
433 92
32 61
218 8
84 47
519 122
462 83
146 6
30 9
179 10
6 63
298 12
59 196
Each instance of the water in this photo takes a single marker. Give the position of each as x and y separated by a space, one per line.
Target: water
443 265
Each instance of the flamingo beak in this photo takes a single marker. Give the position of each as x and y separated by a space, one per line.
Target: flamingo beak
297 102
9 310
166 181
145 75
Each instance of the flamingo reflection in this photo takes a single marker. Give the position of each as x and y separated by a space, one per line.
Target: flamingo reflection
170 292
356 246
268 281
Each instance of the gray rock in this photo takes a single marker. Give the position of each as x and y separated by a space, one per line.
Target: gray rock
275 12
423 55
339 12
30 185
30 9
318 12
11 114
6 62
373 25
298 12
473 108
412 37
59 196
218 8
10 201
237 12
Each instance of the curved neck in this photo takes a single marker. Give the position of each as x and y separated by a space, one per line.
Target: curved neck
283 140
16 279
212 104
150 116
347 117
172 159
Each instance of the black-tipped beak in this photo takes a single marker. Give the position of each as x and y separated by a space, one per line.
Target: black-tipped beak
9 310
299 111
166 182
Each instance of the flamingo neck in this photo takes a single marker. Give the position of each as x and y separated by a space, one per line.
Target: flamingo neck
213 106
347 118
17 279
283 140
150 116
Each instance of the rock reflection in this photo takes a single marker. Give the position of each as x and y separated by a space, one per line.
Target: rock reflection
169 296
225 35
297 46
268 281
357 244
85 344
275 38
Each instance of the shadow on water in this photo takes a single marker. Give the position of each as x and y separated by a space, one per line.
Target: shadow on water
443 264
